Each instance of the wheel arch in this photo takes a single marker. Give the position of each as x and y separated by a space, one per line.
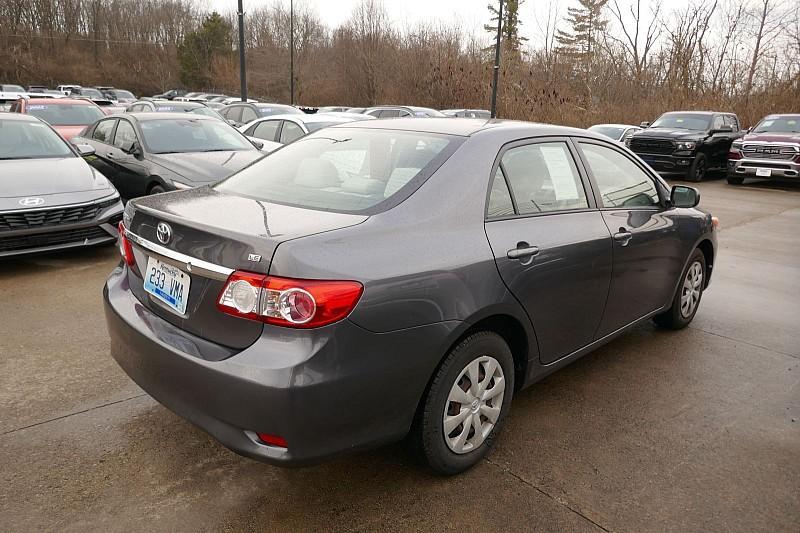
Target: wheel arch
707 248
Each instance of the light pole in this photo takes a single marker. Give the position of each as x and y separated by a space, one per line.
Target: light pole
291 51
496 72
242 65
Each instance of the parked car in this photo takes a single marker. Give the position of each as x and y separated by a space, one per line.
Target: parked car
688 144
166 106
467 113
45 94
394 111
345 304
68 116
241 113
618 132
170 94
149 153
37 88
50 198
12 88
67 89
769 150
332 109
284 129
119 95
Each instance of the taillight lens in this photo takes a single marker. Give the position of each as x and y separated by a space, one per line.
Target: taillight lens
125 248
296 303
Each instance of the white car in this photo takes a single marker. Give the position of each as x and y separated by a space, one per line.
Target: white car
284 129
618 132
68 89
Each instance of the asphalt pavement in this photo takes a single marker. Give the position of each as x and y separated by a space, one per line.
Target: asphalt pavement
695 430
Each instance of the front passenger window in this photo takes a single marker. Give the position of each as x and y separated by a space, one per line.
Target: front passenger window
102 132
621 182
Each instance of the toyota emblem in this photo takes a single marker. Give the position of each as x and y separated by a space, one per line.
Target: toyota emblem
163 232
32 201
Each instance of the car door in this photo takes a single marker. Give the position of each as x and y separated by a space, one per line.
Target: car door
647 252
550 243
130 171
720 142
100 139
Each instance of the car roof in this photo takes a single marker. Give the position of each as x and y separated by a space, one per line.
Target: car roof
20 117
614 125
699 113
464 127
321 117
146 116
60 101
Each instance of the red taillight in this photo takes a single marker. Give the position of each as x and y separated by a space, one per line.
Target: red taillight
294 303
272 440
125 248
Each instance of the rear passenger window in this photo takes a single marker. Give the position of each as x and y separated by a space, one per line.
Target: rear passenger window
732 122
389 113
290 132
266 130
543 178
621 182
102 132
500 203
248 115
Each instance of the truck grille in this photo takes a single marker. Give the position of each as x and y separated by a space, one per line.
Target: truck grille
51 217
54 238
652 146
768 151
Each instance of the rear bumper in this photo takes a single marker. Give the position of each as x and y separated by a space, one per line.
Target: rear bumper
777 168
101 230
326 391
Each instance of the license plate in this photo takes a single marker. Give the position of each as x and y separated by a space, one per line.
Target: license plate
764 172
168 284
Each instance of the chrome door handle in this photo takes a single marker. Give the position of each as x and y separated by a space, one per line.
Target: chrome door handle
522 251
623 237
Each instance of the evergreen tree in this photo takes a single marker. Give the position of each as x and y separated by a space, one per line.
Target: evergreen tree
198 49
587 24
510 38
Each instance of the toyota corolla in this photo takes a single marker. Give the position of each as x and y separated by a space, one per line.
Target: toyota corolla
377 279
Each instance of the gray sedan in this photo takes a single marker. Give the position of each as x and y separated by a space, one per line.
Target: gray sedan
381 278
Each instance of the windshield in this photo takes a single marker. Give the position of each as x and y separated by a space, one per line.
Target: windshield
66 114
779 125
608 131
426 112
683 121
22 139
205 111
277 109
92 93
123 94
13 88
344 170
191 135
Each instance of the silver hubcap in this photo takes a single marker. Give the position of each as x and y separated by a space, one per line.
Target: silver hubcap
473 405
692 287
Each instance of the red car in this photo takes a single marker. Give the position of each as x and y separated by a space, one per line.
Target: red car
770 150
68 116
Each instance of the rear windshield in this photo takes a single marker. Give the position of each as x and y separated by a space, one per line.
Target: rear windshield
30 140
608 131
66 114
345 170
268 110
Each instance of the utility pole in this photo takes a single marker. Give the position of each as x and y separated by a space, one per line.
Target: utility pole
242 65
291 51
496 72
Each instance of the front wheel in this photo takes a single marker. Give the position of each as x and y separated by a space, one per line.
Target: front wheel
698 170
464 409
687 297
157 189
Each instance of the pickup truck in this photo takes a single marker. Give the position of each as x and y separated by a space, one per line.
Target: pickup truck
770 150
687 144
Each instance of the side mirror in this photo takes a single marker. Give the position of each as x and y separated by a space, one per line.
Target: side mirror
258 144
131 148
232 122
683 196
644 125
85 150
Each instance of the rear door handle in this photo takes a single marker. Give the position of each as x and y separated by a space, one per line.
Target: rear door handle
522 251
623 237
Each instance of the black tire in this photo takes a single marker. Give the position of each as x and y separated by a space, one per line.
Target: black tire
675 317
698 170
735 180
428 434
157 189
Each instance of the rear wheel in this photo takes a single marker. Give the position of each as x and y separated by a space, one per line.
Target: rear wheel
698 170
735 180
466 404
687 297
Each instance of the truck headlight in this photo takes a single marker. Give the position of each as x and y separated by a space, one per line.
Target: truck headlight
687 145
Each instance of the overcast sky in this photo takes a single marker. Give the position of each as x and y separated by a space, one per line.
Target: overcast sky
470 14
